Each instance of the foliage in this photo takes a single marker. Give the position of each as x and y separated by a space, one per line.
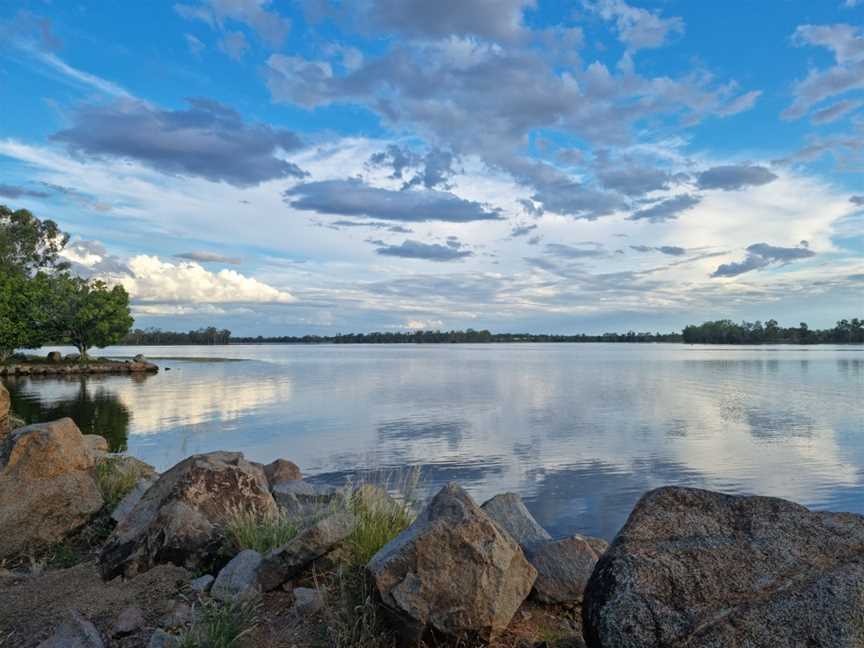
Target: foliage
114 480
89 314
728 332
22 303
29 245
352 615
222 626
248 529
157 337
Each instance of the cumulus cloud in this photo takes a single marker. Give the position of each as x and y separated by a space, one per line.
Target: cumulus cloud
269 25
208 257
732 177
637 28
761 255
432 170
151 280
667 209
857 200
411 249
493 19
355 198
208 140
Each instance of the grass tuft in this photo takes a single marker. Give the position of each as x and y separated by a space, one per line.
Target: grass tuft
222 626
248 529
353 618
114 480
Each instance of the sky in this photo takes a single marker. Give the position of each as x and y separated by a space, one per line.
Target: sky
314 166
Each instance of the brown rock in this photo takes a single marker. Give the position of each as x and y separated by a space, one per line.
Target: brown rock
47 488
180 518
97 445
453 572
706 570
45 450
282 471
564 567
55 357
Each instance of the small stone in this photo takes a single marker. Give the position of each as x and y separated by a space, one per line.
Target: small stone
281 471
307 601
239 578
129 621
179 617
162 639
202 584
75 632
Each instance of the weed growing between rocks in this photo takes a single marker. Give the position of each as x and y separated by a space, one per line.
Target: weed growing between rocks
222 625
353 619
114 482
247 529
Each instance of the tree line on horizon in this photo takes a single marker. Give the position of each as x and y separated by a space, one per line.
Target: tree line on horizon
716 332
42 302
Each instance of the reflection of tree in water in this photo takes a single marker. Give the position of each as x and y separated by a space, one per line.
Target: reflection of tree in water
95 409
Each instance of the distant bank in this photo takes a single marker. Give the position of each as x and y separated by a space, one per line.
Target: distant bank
716 332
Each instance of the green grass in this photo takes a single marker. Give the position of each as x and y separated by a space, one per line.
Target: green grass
222 626
114 481
377 524
247 529
353 619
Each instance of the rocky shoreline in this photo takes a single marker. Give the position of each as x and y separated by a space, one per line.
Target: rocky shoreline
55 364
307 565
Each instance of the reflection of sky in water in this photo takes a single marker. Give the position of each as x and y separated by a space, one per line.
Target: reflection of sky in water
581 431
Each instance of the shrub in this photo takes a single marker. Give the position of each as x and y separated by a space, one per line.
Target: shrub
222 626
248 529
115 480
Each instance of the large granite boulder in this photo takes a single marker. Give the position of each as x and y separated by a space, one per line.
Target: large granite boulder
47 488
453 573
706 570
181 518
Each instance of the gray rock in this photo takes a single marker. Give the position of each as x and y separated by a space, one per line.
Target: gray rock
706 570
303 500
509 512
75 632
139 358
564 567
180 617
307 601
281 471
239 578
288 561
124 508
129 621
162 639
202 584
72 357
181 518
453 572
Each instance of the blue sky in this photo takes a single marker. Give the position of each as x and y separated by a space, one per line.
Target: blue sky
318 166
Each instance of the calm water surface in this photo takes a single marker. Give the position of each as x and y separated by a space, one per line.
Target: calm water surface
580 431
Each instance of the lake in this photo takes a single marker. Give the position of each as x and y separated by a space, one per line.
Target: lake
581 431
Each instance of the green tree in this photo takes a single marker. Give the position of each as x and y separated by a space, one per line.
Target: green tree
29 245
23 315
88 314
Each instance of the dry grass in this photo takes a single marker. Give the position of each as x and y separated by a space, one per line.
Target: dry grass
248 529
115 480
222 626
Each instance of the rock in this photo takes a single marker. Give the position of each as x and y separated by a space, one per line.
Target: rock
124 508
45 450
701 569
129 621
509 512
139 358
181 517
73 357
5 416
180 617
202 584
307 601
564 567
239 578
453 572
97 445
54 357
281 471
301 499
47 489
289 560
161 639
75 632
